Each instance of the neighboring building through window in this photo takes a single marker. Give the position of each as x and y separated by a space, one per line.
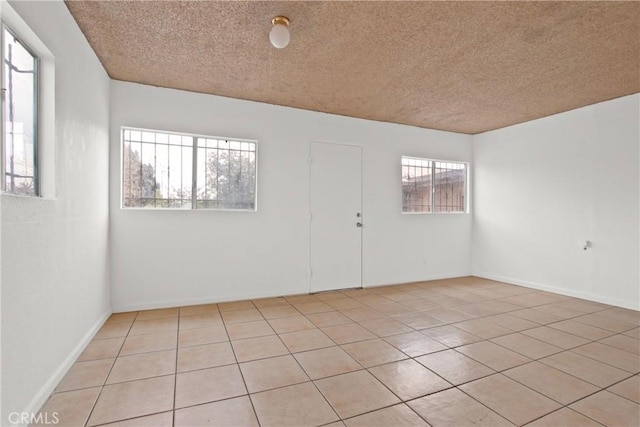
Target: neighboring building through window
170 170
433 186
20 118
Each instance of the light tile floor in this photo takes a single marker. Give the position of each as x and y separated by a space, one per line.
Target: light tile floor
453 352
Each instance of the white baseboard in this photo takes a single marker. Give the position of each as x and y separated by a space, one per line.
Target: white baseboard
197 301
45 391
421 279
122 308
633 305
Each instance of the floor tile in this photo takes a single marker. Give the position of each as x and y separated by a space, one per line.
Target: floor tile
408 379
113 330
451 336
345 303
630 362
582 330
147 343
586 369
258 348
208 385
122 317
454 408
291 324
235 305
163 419
633 333
355 393
623 342
415 344
454 367
191 337
373 352
527 346
192 310
141 327
139 366
275 407
418 320
385 327
564 417
609 409
205 356
530 299
269 302
449 315
161 313
92 373
258 328
621 315
71 408
274 372
605 323
238 316
513 323
555 384
133 399
306 340
396 416
350 332
493 355
200 321
629 388
279 311
105 349
313 307
558 310
482 328
360 314
232 412
556 337
393 308
510 399
330 318
326 362
536 316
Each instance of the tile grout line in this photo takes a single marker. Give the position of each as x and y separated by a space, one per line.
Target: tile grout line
93 407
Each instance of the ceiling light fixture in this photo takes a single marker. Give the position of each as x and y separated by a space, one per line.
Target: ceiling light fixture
279 34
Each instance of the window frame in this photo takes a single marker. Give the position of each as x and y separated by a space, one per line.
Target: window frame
466 207
36 111
194 171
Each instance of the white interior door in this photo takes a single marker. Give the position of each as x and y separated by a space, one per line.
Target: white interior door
336 217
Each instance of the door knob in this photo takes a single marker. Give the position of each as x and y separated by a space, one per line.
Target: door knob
358 224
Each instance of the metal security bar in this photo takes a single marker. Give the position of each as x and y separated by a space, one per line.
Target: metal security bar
433 186
19 116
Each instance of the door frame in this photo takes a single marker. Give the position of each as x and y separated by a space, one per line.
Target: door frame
309 164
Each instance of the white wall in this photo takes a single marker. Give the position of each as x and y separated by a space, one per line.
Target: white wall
163 258
542 186
55 276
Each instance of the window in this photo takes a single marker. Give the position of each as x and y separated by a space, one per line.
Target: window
433 186
19 111
170 170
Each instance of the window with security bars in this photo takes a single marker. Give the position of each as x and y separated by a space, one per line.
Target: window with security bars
170 170
19 110
433 186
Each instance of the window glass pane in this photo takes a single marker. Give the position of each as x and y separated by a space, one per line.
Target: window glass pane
160 174
450 187
20 68
416 185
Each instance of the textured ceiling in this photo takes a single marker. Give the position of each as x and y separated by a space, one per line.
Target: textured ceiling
458 66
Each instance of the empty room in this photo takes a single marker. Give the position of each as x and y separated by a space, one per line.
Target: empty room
320 213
